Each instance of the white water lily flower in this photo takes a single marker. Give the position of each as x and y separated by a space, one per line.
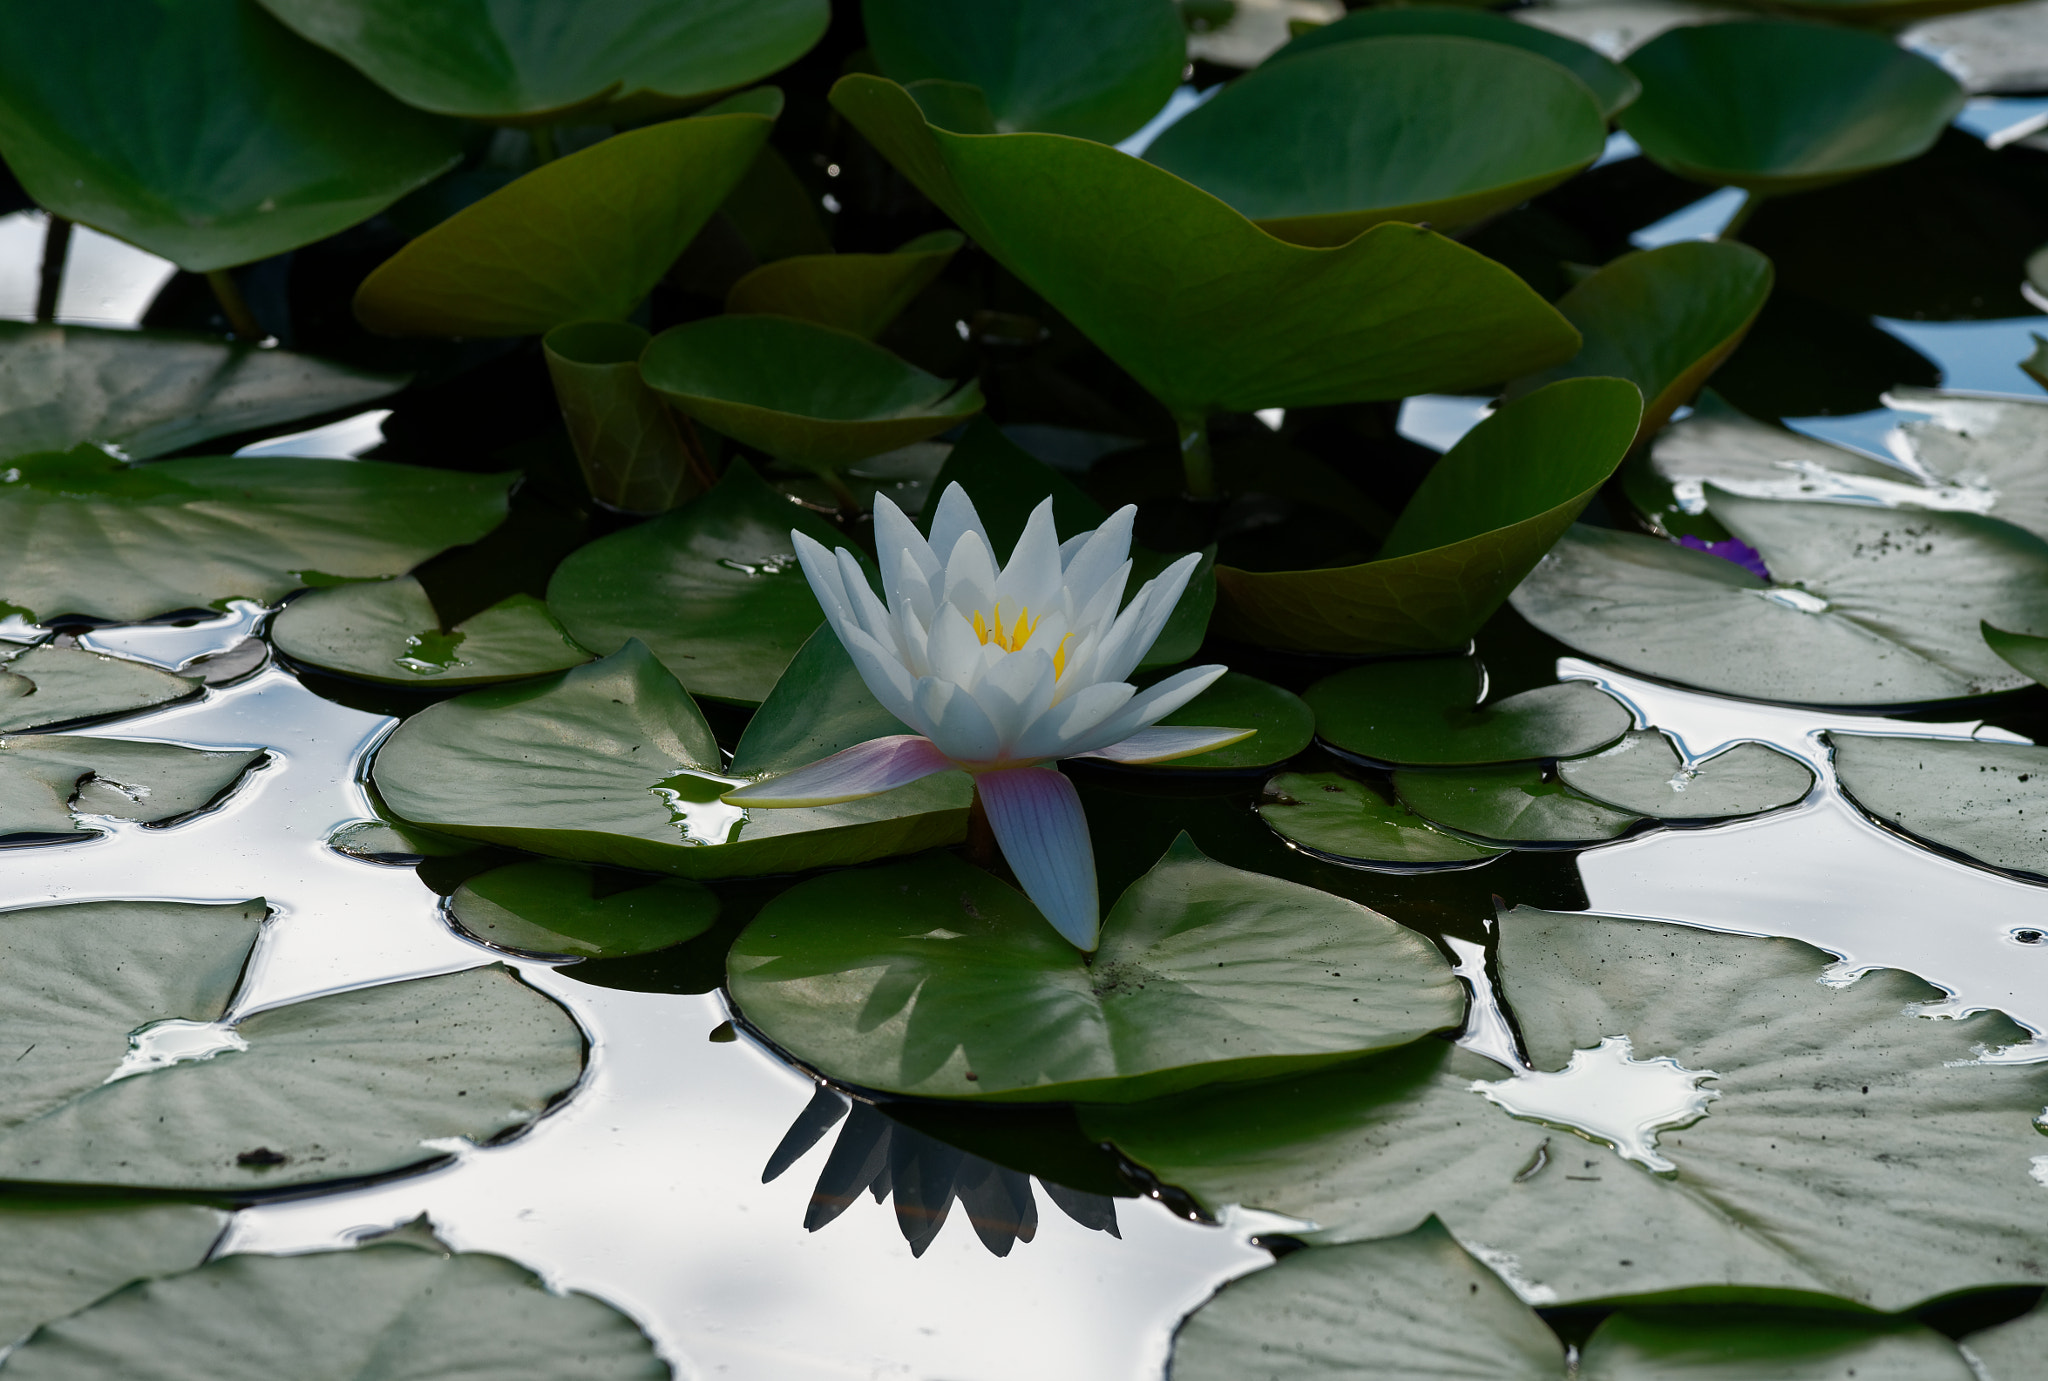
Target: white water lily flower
1003 672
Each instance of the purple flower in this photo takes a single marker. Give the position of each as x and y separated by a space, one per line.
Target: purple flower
1734 549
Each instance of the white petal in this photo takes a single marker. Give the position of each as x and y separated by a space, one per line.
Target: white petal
1151 705
821 569
1105 550
957 725
1070 726
893 531
1165 591
1031 580
953 519
1073 545
886 678
1100 610
954 653
971 575
1166 744
866 769
910 589
1037 819
1015 691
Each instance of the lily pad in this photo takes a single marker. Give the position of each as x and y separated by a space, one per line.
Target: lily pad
59 1255
861 293
1644 774
149 392
1664 319
531 62
2020 651
1421 1307
261 144
45 685
1777 107
1425 712
558 908
1795 1182
813 395
582 238
331 1088
1613 85
44 778
1516 806
387 631
713 588
382 1312
395 842
1284 725
1961 795
1867 608
1482 519
632 454
818 706
87 534
1348 820
612 763
1725 447
1203 308
1420 127
1094 69
2012 1351
933 978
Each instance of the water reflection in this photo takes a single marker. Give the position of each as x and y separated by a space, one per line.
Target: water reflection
875 1154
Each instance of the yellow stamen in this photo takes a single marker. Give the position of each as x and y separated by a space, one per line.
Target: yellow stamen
1010 639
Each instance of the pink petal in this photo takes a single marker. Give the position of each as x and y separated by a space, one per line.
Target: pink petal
866 769
1037 819
1167 743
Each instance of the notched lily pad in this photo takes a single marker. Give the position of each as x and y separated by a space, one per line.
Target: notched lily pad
387 631
1351 822
1516 806
933 978
1644 774
572 909
1283 722
58 1255
48 780
1985 801
861 293
819 705
1425 712
45 685
612 763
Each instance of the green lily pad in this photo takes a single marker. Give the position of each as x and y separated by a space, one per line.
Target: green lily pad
1425 712
90 535
1868 607
1645 775
1664 319
2020 651
1482 519
1613 85
557 908
1990 452
582 238
1519 806
813 395
382 1312
818 706
394 841
2012 1351
1284 725
149 392
713 588
331 1088
387 631
44 778
1421 1307
1347 819
1094 69
1778 107
45 685
1203 308
1725 447
59 1255
1409 127
612 763
530 62
861 293
259 144
626 440
1795 1182
1961 795
933 978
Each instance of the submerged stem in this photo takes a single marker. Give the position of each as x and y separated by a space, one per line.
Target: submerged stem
849 501
544 142
1733 230
241 320
1196 463
982 850
56 249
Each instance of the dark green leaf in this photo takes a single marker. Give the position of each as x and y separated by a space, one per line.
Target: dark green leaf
1644 774
45 777
1517 806
861 293
556 908
44 685
626 440
1425 712
818 706
1285 725
387 631
1347 819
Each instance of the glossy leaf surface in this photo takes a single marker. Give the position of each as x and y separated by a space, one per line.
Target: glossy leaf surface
44 778
90 535
1425 712
1095 69
1418 128
713 588
612 763
1349 820
1285 725
557 908
813 395
1960 795
582 238
385 1312
1515 805
911 978
59 1255
1780 107
521 61
1203 308
388 631
45 685
627 443
1644 774
1795 1180
1482 519
818 706
262 144
861 293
